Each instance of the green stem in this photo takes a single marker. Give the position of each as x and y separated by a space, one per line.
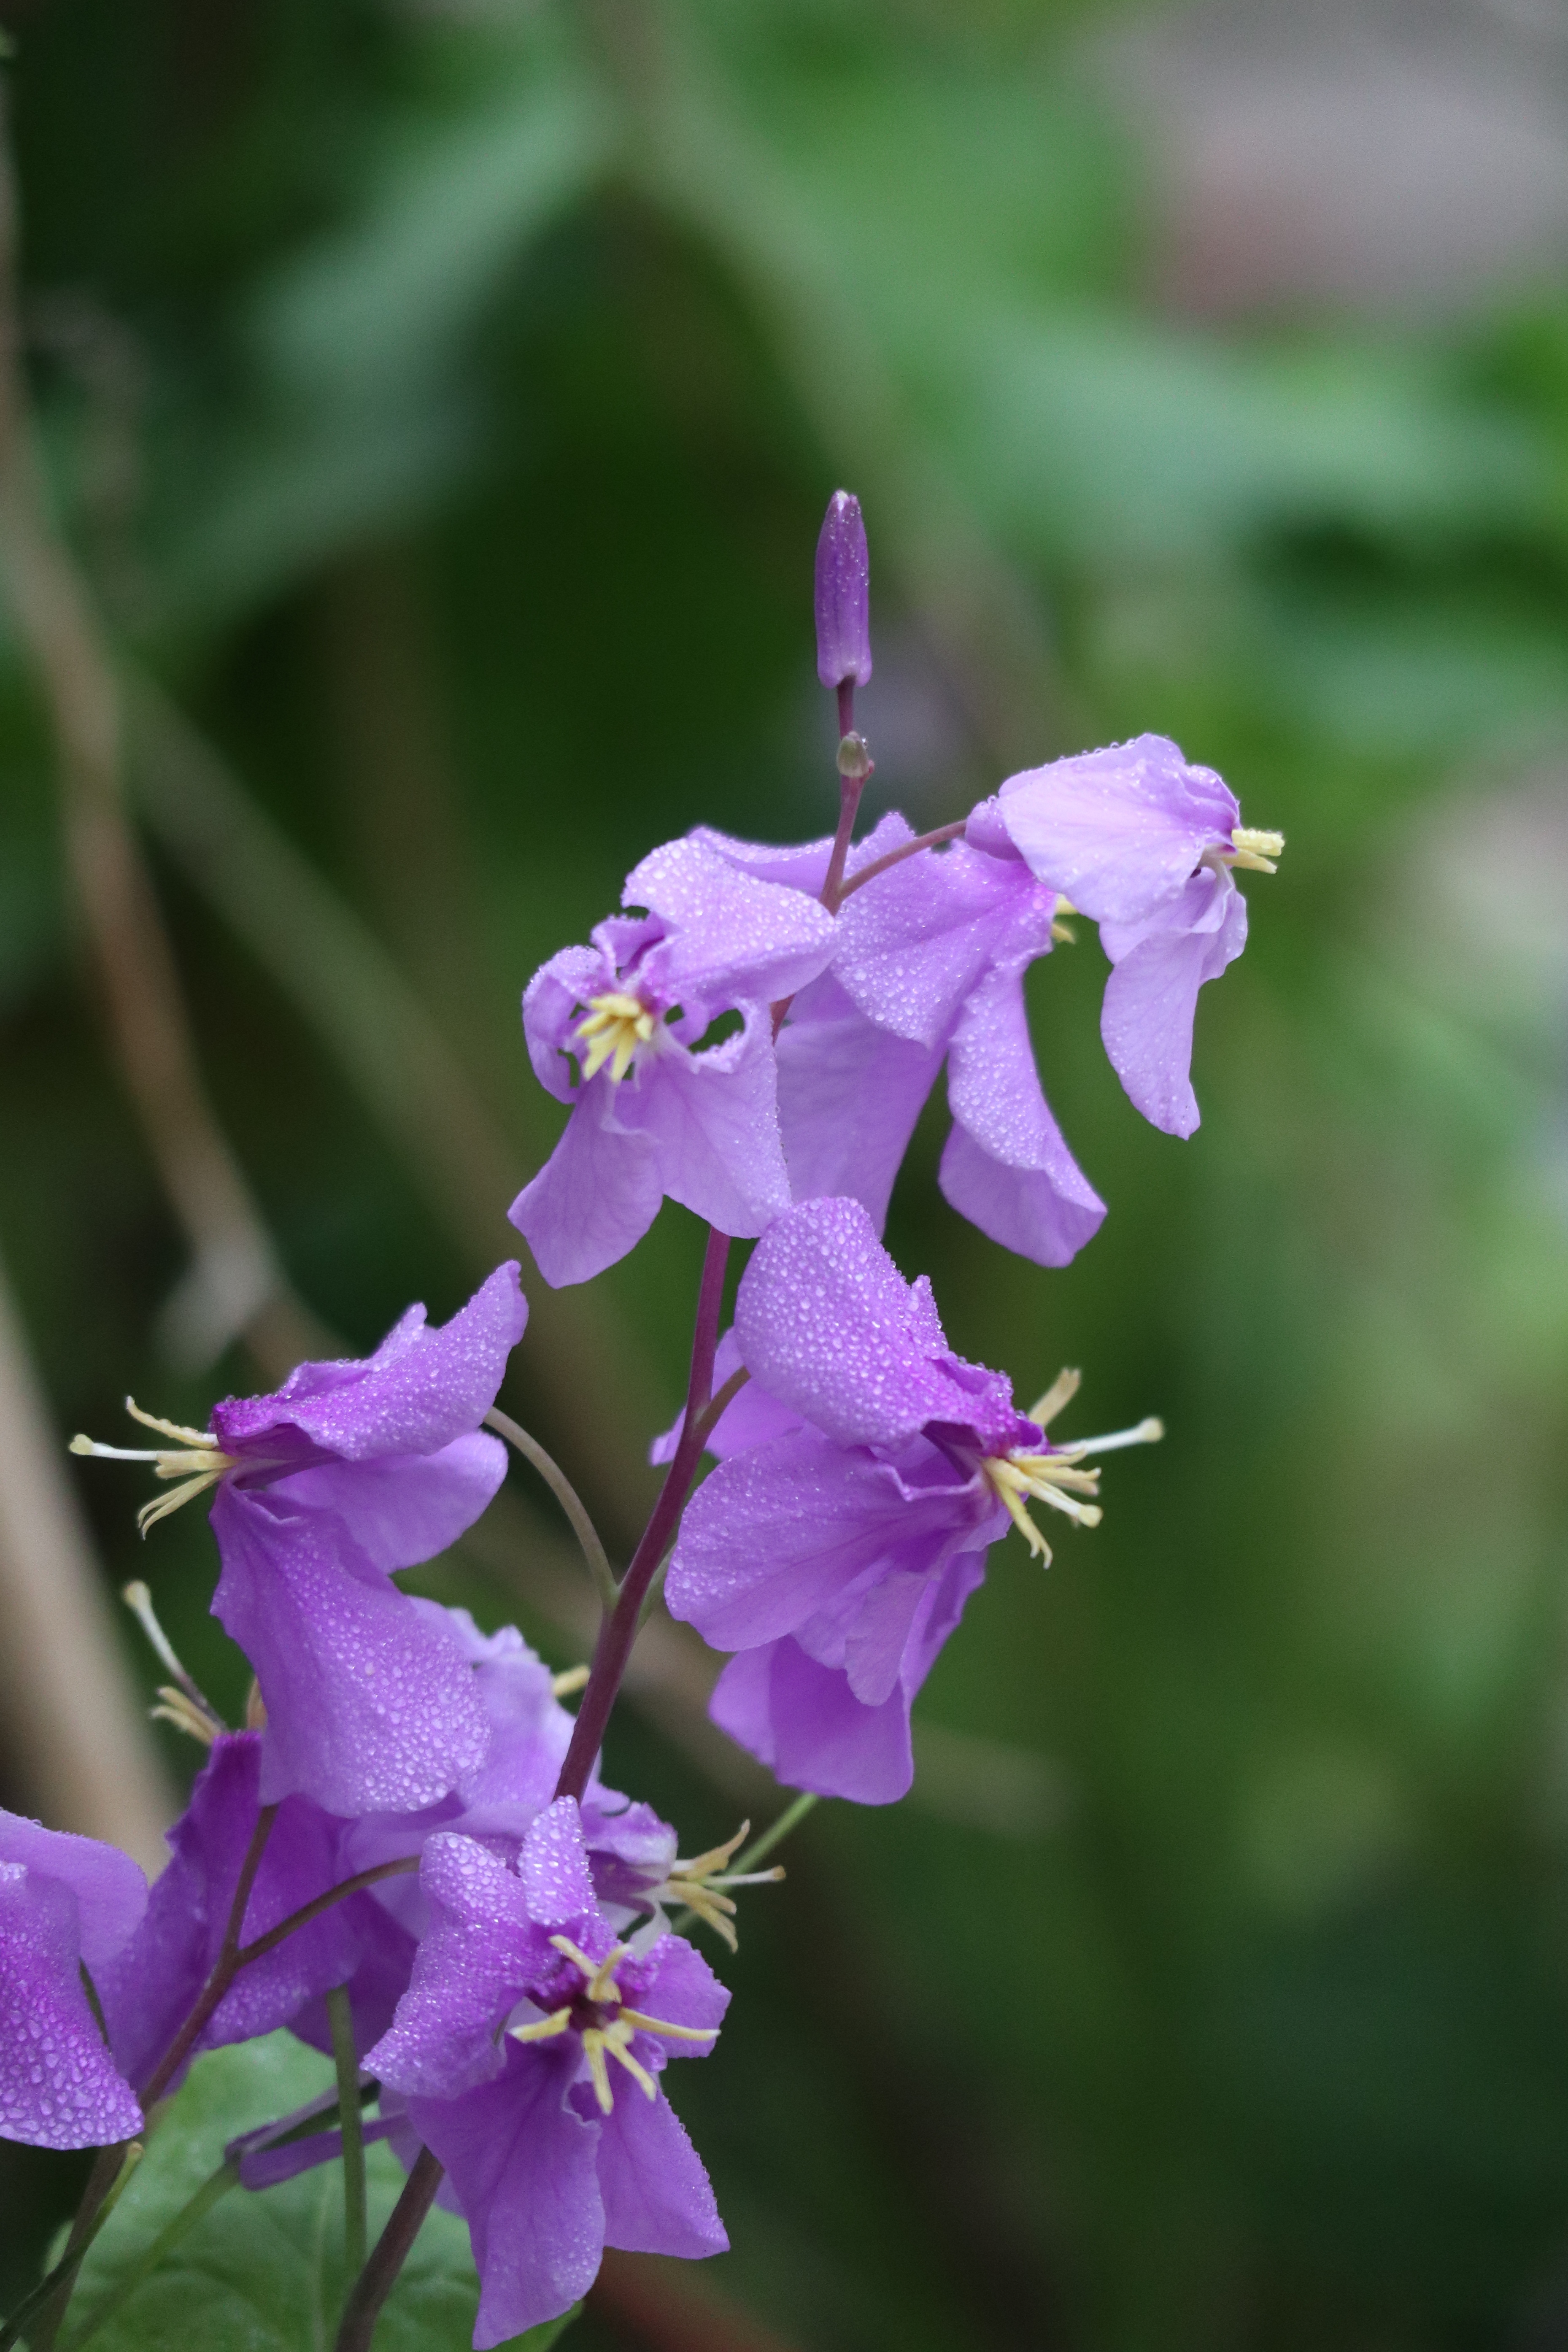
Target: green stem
760 1847
566 1495
340 2017
217 2184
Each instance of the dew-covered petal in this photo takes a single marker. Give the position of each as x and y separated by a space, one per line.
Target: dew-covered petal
731 937
658 2199
596 1194
915 939
58 2086
409 1507
1151 998
672 1980
421 1389
522 2163
480 1950
111 1890
828 1325
1118 831
803 1721
371 1704
752 1418
850 1093
1005 1166
777 1533
553 1012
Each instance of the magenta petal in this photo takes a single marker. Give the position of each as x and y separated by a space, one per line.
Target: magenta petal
408 1507
479 1950
1005 1167
1151 998
1120 830
850 1093
805 1724
371 1705
658 2199
522 2163
58 2086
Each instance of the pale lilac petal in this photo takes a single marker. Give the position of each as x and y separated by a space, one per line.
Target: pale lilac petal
371 1705
1118 831
408 1507
422 1387
595 1196
658 2199
712 1118
874 1648
803 866
111 1890
58 2086
1152 996
530 1729
827 1324
778 1532
552 1012
850 1094
1005 1167
915 939
553 1868
732 936
522 2163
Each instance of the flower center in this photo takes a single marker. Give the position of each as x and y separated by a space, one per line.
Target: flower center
699 1884
616 1024
605 2036
200 1465
1253 850
1055 1476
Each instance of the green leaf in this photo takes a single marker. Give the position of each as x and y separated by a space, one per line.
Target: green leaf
265 2272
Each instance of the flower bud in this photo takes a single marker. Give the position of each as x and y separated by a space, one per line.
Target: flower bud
843 583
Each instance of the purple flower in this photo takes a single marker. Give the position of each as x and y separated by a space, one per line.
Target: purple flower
64 1901
930 966
843 588
836 1557
349 1471
528 2050
147 1989
1144 844
651 1115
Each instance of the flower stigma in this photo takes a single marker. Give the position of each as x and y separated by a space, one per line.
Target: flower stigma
617 1024
1055 1476
605 2038
699 1883
200 1465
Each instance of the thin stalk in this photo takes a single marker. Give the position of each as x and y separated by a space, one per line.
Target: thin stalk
224 1969
566 1495
215 2186
340 2018
49 2298
375 2281
760 1847
897 857
618 1628
850 791
319 1902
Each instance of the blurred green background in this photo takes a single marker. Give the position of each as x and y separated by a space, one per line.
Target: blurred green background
441 401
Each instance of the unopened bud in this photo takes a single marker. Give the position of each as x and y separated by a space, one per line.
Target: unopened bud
843 595
854 759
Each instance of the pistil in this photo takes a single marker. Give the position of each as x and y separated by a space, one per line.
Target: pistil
197 1460
606 2039
1055 1476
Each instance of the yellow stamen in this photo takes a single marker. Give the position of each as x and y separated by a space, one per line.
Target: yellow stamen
601 1975
1058 1478
636 2021
573 1679
1253 850
697 1885
176 1707
1062 1390
198 1462
616 1024
545 2030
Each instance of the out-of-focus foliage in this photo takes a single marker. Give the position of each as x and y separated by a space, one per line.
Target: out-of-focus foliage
443 401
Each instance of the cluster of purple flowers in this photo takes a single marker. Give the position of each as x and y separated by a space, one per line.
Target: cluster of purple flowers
407 1823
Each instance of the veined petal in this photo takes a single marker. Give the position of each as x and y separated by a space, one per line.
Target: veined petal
408 1507
658 2199
1151 998
915 939
850 1094
58 2086
595 1196
712 1120
731 936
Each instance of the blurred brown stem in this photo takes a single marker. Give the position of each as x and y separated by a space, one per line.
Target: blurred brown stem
236 1284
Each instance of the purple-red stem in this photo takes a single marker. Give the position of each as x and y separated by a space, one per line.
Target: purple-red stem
224 1969
897 857
618 1629
379 2277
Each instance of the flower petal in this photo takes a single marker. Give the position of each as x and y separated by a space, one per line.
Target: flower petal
713 1118
731 937
595 1196
658 2198
850 1093
408 1507
1151 998
58 2086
